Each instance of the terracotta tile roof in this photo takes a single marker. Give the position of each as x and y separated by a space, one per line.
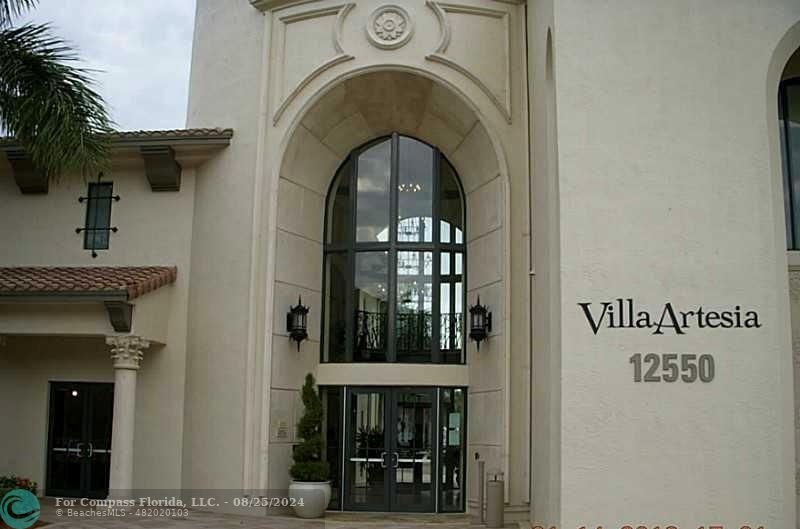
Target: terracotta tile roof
172 133
124 137
65 280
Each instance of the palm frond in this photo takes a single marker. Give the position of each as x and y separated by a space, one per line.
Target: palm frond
48 104
13 8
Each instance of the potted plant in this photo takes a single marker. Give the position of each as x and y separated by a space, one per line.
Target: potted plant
12 481
310 489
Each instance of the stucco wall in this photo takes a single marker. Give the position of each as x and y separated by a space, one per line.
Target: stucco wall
794 298
29 364
225 86
668 191
544 265
41 231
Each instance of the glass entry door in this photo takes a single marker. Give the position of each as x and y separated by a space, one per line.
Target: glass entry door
412 464
366 451
79 443
389 454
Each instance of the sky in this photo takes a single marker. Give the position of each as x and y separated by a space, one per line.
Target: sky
142 50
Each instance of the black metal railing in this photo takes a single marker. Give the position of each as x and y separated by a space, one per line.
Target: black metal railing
451 331
413 333
370 332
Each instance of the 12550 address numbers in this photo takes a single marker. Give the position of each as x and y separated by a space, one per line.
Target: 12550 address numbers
671 367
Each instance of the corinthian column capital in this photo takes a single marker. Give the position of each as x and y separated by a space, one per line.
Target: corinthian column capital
126 351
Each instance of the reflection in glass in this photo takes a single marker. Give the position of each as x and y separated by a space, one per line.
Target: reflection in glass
409 214
414 440
451 445
98 215
451 213
332 438
415 191
790 152
101 410
66 429
336 275
339 207
793 153
372 201
372 295
450 307
366 464
414 306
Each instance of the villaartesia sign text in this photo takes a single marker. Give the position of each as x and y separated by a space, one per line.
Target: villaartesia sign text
625 314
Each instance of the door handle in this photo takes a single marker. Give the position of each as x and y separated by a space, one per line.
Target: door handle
383 459
74 448
84 450
396 459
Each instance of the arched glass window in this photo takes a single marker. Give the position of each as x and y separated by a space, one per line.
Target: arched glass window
789 115
394 257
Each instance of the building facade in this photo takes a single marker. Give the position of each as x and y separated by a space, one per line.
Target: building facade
614 181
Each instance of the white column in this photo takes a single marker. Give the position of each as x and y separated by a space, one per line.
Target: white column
126 353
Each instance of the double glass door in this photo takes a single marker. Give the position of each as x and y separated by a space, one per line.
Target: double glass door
79 444
390 456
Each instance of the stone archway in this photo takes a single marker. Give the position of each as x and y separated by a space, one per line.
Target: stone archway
349 114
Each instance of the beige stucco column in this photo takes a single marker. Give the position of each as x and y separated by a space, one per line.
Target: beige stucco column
126 353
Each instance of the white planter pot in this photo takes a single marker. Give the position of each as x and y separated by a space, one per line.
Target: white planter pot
310 498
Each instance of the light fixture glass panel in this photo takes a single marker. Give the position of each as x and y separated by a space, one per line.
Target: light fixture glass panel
415 191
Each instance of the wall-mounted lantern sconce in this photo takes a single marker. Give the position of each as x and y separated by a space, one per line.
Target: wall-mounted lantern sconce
480 322
297 322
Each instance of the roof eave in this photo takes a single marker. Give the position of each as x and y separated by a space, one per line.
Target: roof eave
61 297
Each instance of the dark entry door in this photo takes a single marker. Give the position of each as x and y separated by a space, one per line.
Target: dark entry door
412 481
389 454
79 440
367 450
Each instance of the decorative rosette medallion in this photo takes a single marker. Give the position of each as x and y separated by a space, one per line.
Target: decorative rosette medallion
389 27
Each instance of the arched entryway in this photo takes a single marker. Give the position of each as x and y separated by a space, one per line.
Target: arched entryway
396 107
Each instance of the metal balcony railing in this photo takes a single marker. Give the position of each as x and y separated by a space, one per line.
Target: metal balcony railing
413 331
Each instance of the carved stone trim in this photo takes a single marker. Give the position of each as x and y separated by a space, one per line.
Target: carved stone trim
29 178
341 56
444 25
163 172
440 9
126 351
389 27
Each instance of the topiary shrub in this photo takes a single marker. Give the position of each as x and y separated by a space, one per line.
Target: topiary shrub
308 464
